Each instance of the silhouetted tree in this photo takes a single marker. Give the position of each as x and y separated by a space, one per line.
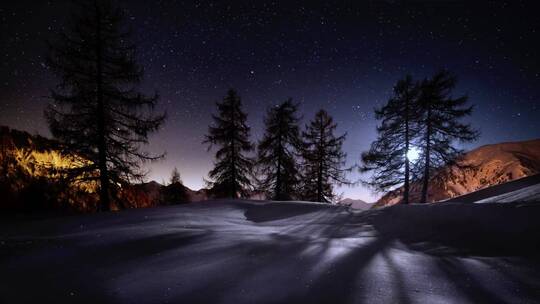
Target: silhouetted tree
175 192
441 126
323 159
387 156
97 111
278 151
231 175
175 176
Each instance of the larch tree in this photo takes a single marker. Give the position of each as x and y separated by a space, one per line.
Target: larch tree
175 192
175 177
388 155
441 125
278 152
232 172
97 111
323 159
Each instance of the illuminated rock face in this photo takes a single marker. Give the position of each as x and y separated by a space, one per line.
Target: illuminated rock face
480 168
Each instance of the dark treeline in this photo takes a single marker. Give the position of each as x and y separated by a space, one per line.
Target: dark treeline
420 115
289 164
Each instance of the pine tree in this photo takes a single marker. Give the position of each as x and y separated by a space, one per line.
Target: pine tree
441 126
323 158
96 110
175 192
175 177
278 151
231 175
387 156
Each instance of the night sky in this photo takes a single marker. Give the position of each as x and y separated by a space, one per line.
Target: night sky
344 58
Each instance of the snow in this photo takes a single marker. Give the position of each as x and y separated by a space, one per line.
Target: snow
524 194
531 193
525 189
275 252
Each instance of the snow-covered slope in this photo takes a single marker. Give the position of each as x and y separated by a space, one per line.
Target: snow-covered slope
480 168
527 194
524 189
275 252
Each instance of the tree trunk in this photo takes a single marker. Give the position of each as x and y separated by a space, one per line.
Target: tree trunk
278 195
427 158
407 168
102 144
234 190
320 159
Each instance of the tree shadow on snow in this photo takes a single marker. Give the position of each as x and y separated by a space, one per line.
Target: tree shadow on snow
277 211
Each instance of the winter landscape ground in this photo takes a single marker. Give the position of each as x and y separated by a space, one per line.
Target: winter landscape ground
276 252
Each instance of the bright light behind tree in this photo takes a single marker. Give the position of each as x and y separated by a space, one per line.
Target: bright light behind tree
413 154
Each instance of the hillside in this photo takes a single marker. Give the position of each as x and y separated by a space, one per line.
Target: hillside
32 179
480 168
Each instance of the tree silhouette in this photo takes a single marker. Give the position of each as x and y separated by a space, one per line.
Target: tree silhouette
231 174
441 126
175 192
323 159
175 176
387 156
278 151
96 110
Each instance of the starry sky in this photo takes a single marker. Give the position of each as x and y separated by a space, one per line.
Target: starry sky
342 57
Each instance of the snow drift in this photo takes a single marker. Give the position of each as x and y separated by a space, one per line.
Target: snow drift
276 252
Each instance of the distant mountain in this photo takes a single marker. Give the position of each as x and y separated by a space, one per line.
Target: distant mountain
355 203
480 168
152 194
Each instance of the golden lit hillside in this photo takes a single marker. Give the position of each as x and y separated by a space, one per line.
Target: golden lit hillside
50 164
34 167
